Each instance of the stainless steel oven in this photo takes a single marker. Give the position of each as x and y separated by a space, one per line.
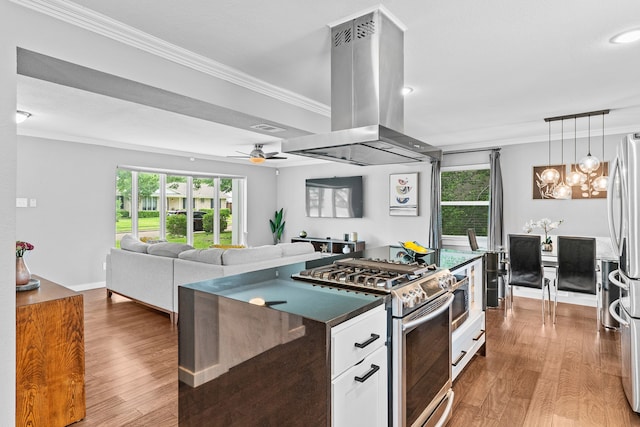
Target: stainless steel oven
421 301
460 305
422 365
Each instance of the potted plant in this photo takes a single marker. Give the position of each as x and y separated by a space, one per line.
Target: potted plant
277 226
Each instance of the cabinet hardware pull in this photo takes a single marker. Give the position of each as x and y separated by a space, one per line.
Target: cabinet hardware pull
373 370
479 335
367 342
462 354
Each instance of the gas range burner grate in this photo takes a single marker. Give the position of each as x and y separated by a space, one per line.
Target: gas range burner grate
378 275
413 268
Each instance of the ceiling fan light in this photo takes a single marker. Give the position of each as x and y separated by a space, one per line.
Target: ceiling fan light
562 191
256 160
627 37
21 116
601 183
550 176
589 163
576 178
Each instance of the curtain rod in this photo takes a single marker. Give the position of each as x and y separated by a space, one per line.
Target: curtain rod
471 150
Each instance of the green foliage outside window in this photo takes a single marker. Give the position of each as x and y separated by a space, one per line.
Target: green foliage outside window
466 186
207 221
177 225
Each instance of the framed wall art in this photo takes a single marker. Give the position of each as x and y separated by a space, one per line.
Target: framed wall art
403 194
542 190
586 190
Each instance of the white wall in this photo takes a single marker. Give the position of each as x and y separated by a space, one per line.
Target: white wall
377 227
73 224
586 217
581 217
8 214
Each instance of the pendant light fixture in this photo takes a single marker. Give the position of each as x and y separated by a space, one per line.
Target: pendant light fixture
549 175
602 182
562 190
589 163
575 177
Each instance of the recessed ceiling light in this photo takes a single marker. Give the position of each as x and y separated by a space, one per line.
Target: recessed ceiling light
627 37
407 90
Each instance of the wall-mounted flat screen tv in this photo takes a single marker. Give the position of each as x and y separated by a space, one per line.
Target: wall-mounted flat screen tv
338 197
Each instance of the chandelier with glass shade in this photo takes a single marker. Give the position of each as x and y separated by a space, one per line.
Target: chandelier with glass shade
579 172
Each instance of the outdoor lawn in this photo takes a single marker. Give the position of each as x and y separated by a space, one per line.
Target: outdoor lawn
201 239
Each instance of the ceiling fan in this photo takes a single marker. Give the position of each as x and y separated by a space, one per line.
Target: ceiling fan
259 156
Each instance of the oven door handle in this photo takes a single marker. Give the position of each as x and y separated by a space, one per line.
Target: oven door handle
429 316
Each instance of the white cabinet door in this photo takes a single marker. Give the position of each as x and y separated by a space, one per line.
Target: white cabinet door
359 395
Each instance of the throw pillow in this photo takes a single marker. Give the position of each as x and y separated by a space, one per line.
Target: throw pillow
168 249
209 256
130 243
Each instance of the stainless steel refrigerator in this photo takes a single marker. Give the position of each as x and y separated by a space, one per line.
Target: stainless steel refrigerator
623 200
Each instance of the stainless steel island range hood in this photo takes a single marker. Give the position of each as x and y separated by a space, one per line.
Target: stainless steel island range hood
367 105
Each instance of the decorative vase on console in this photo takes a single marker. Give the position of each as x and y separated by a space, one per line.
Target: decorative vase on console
23 275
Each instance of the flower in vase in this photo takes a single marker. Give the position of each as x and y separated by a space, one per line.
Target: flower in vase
545 224
22 247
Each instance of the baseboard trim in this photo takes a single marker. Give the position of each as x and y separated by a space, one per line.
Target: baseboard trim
87 286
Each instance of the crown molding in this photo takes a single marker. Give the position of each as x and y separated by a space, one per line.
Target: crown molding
88 19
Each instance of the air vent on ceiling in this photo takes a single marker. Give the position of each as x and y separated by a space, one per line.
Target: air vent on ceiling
267 128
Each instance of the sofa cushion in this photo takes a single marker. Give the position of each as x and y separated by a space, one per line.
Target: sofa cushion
297 248
132 244
209 256
243 256
168 249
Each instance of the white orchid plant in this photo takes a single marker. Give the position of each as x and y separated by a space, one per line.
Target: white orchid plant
544 224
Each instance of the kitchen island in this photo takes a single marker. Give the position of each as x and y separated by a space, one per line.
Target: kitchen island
281 362
246 364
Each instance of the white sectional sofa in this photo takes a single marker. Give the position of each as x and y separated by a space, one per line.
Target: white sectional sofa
151 273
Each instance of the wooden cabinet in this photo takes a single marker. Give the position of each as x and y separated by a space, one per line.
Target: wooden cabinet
332 246
359 371
49 356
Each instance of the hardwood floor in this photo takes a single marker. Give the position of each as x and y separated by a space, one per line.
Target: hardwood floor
533 375
131 360
553 375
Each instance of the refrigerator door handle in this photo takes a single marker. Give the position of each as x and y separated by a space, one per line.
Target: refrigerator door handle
613 277
614 313
616 238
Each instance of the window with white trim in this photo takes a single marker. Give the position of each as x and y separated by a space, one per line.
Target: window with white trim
180 206
465 199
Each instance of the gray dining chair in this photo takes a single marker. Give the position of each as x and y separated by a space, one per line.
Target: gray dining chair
577 269
524 268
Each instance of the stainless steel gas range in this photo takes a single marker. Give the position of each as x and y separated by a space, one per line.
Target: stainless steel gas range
420 320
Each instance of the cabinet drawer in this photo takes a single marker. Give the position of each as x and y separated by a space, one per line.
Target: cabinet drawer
362 401
465 337
355 339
